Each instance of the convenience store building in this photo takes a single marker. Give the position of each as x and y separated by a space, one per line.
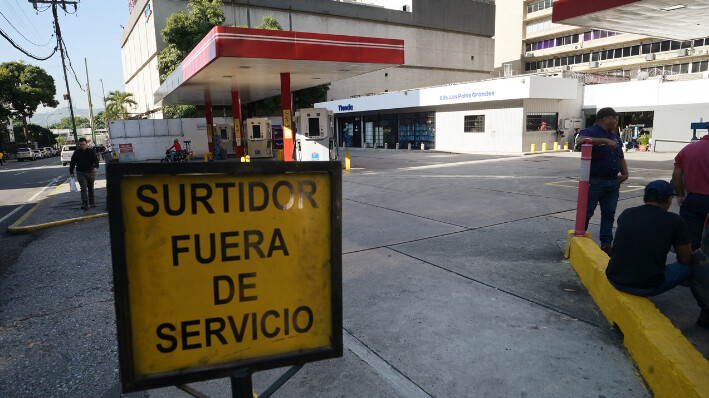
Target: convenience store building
508 115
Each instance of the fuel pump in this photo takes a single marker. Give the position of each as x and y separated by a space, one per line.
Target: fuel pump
258 138
314 137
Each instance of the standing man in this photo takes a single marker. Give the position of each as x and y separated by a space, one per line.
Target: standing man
690 179
608 171
643 239
2 158
86 163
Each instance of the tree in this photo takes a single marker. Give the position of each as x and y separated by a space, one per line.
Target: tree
118 103
23 88
270 23
183 31
181 34
100 120
34 133
65 123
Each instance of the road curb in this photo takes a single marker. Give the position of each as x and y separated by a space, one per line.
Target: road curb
670 364
16 229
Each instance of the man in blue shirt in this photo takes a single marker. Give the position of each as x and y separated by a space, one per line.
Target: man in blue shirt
608 171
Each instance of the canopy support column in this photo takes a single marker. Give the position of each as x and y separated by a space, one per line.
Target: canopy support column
287 117
210 124
236 115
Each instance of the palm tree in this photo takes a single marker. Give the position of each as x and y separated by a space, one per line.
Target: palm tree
118 103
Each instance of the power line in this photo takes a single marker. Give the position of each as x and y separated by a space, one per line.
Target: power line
27 19
3 34
72 66
23 36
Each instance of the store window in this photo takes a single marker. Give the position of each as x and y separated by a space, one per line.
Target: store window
417 128
474 124
542 121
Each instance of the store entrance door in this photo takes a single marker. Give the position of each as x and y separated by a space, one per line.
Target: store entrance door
349 134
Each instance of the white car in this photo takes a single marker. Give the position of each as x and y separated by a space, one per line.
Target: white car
24 153
48 151
38 154
67 151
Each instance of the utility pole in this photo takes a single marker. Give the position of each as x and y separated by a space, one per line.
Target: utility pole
105 109
91 108
58 31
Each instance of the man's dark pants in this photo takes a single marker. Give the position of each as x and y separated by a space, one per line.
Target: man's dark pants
606 193
86 182
694 211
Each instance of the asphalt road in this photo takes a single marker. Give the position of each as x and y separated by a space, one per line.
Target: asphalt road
21 185
454 284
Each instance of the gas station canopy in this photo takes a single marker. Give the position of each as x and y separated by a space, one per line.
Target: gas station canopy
251 62
670 19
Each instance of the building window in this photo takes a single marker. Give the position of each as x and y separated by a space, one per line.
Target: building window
542 121
474 124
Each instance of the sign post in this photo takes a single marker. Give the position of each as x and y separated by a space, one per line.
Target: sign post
223 269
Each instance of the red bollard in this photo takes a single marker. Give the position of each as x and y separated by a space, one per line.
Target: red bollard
584 177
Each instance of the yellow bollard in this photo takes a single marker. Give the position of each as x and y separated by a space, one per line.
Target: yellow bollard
248 158
533 148
206 157
566 146
280 155
544 147
347 160
556 146
243 159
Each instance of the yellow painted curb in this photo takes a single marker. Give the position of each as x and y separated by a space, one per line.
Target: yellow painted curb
14 229
670 364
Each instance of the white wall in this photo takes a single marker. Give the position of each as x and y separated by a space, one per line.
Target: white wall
503 128
673 123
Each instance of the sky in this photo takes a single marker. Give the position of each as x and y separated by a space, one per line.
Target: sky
93 33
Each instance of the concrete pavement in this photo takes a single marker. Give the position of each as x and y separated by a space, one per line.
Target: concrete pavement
454 284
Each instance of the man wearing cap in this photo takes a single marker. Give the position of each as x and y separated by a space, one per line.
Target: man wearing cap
690 179
642 241
608 171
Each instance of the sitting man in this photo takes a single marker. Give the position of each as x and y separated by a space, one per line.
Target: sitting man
177 147
642 241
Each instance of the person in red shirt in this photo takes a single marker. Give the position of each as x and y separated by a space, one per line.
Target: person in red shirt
690 179
177 147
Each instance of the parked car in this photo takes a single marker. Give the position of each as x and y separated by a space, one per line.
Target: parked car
38 154
49 151
67 151
25 153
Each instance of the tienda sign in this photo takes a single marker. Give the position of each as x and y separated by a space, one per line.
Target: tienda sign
343 108
224 266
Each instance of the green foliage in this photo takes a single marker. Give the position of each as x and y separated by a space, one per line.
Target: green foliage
23 88
644 139
179 111
307 98
100 120
183 31
269 23
36 133
65 123
118 104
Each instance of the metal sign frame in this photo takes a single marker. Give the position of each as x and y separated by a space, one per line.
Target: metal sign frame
115 172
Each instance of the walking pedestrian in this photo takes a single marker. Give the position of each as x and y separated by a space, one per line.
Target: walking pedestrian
2 158
690 179
86 163
608 171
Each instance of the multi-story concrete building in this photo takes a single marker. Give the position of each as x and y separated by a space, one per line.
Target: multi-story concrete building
446 41
529 42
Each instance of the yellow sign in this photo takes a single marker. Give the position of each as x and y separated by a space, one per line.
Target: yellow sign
226 268
237 131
